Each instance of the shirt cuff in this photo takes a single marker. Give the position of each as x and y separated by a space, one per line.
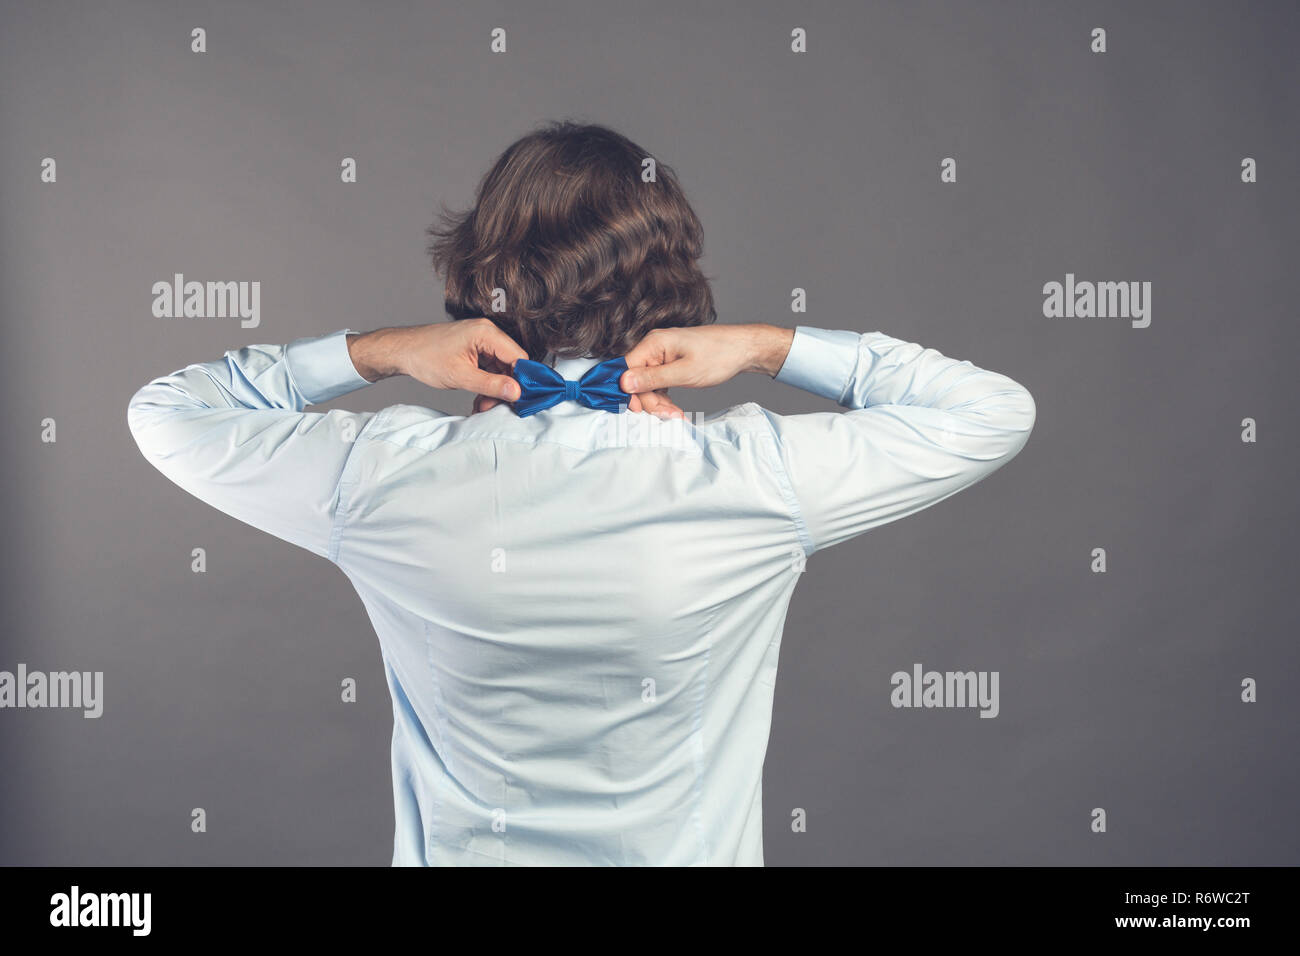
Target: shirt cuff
821 362
322 368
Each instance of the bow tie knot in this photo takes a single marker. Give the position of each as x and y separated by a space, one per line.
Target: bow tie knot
541 387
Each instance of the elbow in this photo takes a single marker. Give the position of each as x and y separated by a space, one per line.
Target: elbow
1023 413
136 411
142 414
1009 412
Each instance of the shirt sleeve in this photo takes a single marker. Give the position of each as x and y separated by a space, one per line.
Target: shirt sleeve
919 427
234 434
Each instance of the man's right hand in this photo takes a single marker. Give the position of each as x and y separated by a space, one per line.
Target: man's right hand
704 355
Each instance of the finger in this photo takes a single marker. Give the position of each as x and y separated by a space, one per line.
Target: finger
490 363
666 408
651 350
483 402
660 405
494 386
495 343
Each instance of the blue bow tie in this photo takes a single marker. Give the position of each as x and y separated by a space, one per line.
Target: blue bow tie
541 386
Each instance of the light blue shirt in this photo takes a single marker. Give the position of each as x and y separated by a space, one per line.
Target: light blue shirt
579 612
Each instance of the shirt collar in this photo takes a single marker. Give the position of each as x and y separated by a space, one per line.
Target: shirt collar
573 368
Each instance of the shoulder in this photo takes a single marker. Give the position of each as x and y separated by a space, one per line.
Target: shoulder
411 425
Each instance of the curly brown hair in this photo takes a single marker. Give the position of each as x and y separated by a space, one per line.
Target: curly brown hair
588 256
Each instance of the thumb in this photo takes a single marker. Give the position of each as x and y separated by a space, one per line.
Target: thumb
651 378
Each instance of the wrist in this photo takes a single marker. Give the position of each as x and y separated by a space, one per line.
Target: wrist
378 354
769 346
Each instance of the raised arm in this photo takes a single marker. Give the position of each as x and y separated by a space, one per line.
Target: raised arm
234 432
919 427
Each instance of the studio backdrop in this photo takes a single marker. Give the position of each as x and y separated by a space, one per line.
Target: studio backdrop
1096 199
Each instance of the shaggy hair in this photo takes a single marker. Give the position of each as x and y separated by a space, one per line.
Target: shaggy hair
588 256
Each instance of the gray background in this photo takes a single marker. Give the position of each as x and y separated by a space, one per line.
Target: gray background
1118 690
